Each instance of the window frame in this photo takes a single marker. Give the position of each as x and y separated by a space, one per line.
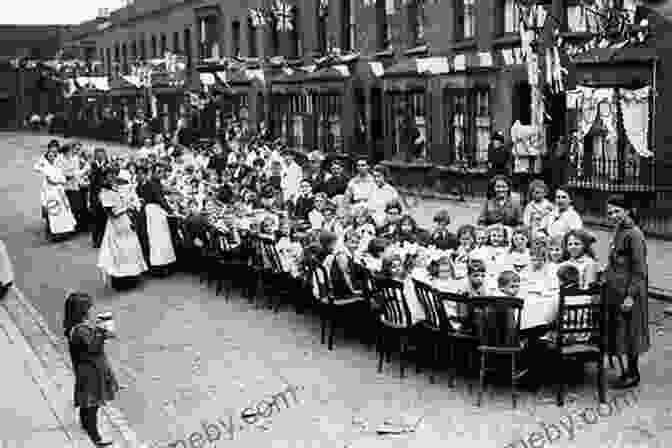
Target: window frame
416 22
236 36
252 50
348 25
176 42
383 30
465 103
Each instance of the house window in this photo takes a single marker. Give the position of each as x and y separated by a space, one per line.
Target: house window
124 58
275 36
328 110
143 49
251 39
416 19
134 52
187 46
108 57
155 50
176 42
348 21
581 18
482 125
408 121
164 45
468 124
235 37
295 35
465 14
209 36
321 31
509 16
383 32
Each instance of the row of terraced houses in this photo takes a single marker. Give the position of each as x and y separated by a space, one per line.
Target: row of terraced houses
448 71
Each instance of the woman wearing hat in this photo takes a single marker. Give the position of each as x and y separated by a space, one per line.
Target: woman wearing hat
55 206
120 257
95 384
626 291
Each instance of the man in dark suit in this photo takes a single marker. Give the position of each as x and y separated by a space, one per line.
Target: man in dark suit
97 177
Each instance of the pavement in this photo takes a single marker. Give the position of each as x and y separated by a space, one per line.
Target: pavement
190 364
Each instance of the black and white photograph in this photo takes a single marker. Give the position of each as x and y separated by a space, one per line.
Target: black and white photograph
336 224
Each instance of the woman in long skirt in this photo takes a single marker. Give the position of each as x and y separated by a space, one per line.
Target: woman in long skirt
55 206
161 250
120 257
626 291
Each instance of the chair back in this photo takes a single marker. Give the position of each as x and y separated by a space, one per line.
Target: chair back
319 281
430 300
459 313
395 309
366 280
270 255
497 320
580 314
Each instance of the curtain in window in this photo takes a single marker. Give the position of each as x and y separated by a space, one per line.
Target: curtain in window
635 109
482 125
469 18
511 16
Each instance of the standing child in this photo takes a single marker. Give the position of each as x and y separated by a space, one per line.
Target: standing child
498 248
538 208
578 252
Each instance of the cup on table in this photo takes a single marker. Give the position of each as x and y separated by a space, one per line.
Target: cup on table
106 321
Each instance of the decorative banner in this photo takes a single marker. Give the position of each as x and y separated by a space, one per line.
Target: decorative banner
284 16
257 17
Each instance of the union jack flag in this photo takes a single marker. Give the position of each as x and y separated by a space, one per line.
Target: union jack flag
284 16
258 17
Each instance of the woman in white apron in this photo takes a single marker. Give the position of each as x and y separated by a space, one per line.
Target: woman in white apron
55 206
161 250
120 257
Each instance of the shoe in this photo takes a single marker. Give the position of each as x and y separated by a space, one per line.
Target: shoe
102 443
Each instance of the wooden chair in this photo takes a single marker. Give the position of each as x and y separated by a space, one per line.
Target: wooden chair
274 281
394 320
497 326
330 306
578 334
460 332
230 263
435 326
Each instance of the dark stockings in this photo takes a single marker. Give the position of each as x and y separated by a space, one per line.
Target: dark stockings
89 419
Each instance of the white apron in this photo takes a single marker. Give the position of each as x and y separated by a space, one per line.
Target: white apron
120 252
161 251
54 200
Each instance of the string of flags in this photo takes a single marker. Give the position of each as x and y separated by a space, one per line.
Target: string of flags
282 12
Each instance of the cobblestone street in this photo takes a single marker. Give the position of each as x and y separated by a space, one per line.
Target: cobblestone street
197 371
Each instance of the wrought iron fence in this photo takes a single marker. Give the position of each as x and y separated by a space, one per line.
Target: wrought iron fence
612 174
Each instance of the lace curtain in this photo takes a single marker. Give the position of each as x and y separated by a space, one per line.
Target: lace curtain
635 108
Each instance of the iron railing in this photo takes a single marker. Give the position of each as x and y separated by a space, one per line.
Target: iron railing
630 174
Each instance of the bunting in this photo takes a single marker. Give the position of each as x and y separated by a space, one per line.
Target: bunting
284 16
258 18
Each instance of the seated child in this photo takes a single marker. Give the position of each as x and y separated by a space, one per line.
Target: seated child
508 284
316 215
518 257
441 237
289 250
466 235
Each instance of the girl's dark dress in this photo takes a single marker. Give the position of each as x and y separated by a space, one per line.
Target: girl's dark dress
95 383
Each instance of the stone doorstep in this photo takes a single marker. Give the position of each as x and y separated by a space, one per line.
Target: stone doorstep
51 360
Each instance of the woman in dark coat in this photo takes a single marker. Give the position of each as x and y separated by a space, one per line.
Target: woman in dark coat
626 291
95 383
